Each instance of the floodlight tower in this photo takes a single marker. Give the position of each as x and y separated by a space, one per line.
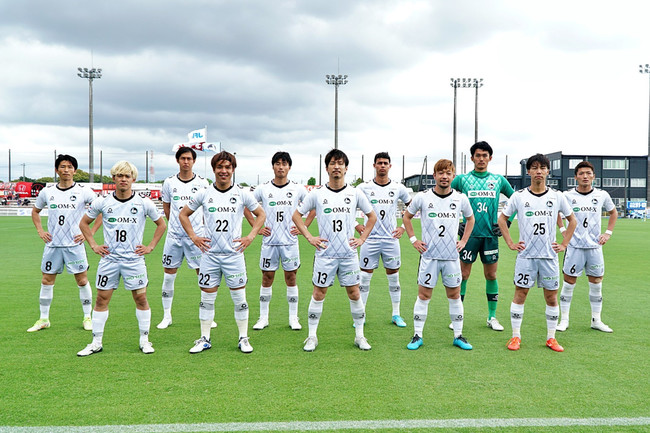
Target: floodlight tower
336 80
456 83
476 84
645 69
90 75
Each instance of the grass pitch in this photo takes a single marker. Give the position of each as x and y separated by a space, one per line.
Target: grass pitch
44 383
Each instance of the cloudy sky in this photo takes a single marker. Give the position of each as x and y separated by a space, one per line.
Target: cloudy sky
559 75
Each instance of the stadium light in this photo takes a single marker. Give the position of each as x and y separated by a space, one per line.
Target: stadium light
456 83
336 81
645 69
90 75
476 83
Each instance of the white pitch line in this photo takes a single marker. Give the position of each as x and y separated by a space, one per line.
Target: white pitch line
335 425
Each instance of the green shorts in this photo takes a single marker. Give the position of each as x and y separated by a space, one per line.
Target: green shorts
488 248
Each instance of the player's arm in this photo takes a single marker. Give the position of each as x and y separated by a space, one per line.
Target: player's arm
310 218
184 219
260 218
505 231
573 223
315 241
408 225
167 209
613 216
372 219
157 235
469 226
36 219
84 226
98 223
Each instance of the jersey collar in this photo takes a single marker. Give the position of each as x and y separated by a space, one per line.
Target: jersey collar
222 190
178 176
280 186
65 189
538 195
123 200
336 190
585 193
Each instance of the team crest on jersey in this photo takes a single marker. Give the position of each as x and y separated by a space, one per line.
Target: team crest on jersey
233 200
594 201
491 185
549 203
195 189
289 194
452 206
73 198
134 210
391 194
347 200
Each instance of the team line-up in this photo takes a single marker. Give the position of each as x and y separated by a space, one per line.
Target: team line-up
205 229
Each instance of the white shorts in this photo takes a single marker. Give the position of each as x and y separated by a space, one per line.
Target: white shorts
325 270
232 267
74 258
388 249
134 274
429 269
177 248
589 259
546 272
272 255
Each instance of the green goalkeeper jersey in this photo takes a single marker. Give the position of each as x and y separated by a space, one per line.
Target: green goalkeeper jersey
483 191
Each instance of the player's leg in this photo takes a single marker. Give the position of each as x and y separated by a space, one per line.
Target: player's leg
208 279
269 263
143 315
451 278
314 312
86 298
427 279
51 265
391 257
572 267
548 279
595 271
238 296
358 311
108 278
524 279
76 263
290 278
169 277
368 262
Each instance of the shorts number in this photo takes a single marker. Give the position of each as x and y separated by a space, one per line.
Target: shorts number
523 279
442 231
365 261
427 280
540 229
48 266
102 280
321 278
61 220
266 263
467 255
204 279
166 260
382 214
337 226
585 224
222 226
573 269
120 235
279 217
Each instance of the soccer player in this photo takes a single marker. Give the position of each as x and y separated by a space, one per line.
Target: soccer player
280 198
336 205
124 215
66 203
440 209
537 210
223 209
177 190
483 190
383 241
585 251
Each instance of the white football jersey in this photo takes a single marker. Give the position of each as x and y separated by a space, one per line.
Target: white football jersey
588 209
383 199
65 207
537 217
279 203
123 223
439 218
336 214
178 193
223 212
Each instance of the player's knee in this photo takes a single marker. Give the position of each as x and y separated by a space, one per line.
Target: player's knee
595 280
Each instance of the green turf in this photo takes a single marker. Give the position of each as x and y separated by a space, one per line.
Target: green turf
43 382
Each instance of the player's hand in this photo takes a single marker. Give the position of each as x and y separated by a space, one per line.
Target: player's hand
558 248
202 243
265 231
398 232
141 250
460 244
359 228
356 242
45 236
420 246
243 243
602 239
294 231
519 246
79 239
318 242
102 250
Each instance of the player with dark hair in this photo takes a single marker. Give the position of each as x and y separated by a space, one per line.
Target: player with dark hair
537 209
585 251
223 246
383 241
440 210
65 203
336 205
483 190
177 190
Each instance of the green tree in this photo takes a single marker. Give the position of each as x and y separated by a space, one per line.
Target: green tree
358 181
45 179
311 181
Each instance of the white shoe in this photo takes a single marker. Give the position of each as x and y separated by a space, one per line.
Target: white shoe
147 347
90 349
261 324
40 324
294 323
213 325
600 326
200 345
562 326
362 343
310 344
166 321
88 324
245 345
494 324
